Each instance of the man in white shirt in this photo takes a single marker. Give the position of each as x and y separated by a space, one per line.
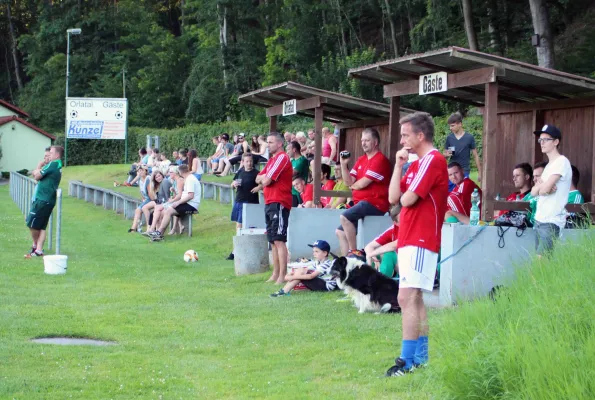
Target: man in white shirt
188 203
552 189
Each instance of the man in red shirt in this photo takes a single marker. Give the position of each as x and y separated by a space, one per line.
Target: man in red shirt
306 191
459 200
422 192
522 176
275 178
368 181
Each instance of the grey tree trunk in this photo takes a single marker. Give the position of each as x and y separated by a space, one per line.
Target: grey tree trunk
542 27
469 29
393 34
15 54
222 11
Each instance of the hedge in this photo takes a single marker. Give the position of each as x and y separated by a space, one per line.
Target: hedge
198 136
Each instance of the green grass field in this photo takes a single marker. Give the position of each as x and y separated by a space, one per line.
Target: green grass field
196 331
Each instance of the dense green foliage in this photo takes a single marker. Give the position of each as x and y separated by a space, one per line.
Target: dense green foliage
187 60
198 136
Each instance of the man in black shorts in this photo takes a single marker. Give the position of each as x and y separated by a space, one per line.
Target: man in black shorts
44 200
275 178
188 203
368 180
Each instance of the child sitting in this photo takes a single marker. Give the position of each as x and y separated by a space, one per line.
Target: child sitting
318 279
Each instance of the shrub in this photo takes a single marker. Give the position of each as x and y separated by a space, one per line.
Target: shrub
23 172
5 174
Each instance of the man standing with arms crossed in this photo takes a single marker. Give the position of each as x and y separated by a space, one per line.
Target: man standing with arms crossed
422 192
552 188
45 199
275 178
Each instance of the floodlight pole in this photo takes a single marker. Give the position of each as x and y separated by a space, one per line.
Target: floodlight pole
74 31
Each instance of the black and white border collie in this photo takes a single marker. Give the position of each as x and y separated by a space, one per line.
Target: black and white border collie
370 290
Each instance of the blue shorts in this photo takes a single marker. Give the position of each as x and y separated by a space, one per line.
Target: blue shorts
236 212
197 176
214 160
144 203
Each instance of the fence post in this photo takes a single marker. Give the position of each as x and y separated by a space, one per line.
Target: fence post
50 230
58 220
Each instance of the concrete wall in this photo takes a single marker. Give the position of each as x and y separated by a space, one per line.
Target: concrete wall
307 225
22 147
482 264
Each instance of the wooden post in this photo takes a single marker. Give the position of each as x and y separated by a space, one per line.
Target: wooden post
394 128
489 184
318 114
272 124
537 155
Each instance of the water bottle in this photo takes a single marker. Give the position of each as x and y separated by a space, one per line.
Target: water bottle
474 216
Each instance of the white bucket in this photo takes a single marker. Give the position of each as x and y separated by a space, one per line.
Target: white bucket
55 265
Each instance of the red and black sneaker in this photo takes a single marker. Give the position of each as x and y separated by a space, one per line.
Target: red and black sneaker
34 254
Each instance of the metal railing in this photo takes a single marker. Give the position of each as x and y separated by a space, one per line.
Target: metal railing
22 191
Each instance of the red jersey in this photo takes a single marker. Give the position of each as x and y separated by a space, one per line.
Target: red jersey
379 170
329 185
459 200
279 169
512 197
308 193
388 236
421 223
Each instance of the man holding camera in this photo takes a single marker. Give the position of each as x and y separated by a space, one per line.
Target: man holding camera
369 180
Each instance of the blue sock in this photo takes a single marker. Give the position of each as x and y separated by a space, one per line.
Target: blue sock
421 352
408 352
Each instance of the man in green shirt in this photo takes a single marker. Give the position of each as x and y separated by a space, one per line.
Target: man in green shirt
45 199
537 171
300 168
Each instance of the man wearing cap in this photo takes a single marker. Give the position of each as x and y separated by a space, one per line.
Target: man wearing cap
44 200
319 279
275 178
552 189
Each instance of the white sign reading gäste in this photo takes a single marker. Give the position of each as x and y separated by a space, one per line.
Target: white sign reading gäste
92 118
433 83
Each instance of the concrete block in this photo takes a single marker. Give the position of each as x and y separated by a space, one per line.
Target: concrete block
225 194
130 208
98 200
108 200
208 191
119 207
251 254
309 224
369 228
80 193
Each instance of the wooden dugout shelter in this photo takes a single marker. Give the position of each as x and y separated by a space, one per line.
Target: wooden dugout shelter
515 98
351 114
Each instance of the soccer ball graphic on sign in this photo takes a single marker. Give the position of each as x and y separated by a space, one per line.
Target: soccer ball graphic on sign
74 114
119 114
190 256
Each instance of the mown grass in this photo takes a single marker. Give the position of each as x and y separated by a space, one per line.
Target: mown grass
198 331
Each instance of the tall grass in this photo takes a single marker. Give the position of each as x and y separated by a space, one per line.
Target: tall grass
535 341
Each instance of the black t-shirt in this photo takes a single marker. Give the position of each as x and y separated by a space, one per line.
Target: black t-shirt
243 194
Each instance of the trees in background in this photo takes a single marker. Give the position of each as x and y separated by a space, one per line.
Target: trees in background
187 60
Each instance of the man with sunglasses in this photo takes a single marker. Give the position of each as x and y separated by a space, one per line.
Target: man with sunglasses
552 189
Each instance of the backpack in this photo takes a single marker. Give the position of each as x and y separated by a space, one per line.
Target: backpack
516 219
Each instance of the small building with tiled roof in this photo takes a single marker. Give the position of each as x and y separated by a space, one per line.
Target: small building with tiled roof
22 143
